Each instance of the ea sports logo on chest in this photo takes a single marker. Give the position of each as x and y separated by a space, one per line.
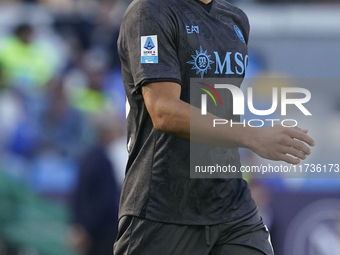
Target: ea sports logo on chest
239 104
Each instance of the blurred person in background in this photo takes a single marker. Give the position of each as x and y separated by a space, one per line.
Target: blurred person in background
62 126
106 29
26 62
95 203
27 65
89 97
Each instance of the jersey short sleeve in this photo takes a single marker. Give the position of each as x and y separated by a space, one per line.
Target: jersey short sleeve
147 43
244 23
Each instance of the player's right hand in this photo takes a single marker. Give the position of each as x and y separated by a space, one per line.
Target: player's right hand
287 144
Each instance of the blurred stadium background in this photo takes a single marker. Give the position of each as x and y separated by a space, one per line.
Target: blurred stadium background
62 122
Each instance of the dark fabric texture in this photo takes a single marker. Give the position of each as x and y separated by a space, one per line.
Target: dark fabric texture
206 7
246 236
192 43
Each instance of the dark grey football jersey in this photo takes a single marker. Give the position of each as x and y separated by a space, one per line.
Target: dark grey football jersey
175 40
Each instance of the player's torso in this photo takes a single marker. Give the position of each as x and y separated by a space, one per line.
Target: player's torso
158 184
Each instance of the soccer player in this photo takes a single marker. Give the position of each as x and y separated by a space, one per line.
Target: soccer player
162 44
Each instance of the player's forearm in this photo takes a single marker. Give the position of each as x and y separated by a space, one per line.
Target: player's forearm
202 130
178 118
173 116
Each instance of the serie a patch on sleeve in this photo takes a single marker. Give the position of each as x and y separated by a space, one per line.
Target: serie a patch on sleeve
149 49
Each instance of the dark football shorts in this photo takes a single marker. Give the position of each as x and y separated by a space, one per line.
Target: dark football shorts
246 236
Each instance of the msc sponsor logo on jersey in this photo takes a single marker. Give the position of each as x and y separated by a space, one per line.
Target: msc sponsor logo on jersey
149 49
201 62
192 29
239 33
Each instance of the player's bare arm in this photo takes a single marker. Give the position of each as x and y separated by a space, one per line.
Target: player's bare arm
171 115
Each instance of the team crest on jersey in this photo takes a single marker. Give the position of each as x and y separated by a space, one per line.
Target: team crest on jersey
149 49
201 62
239 33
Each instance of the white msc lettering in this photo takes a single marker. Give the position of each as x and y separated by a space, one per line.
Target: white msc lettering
240 67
